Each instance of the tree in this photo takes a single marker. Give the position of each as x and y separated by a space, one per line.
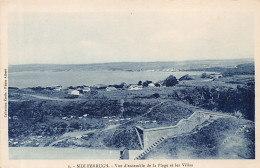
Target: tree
204 75
186 77
146 83
170 81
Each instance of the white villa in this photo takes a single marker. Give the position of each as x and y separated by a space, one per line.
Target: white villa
85 115
57 87
86 89
151 85
110 89
73 92
215 75
135 87
64 118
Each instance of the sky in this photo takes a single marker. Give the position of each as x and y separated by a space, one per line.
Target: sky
98 37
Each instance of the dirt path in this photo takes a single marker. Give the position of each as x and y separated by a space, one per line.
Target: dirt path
44 97
149 111
151 108
111 127
51 98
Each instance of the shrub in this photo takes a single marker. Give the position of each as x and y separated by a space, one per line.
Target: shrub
170 81
146 83
186 77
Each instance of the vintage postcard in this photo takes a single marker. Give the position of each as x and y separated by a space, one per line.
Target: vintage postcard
129 84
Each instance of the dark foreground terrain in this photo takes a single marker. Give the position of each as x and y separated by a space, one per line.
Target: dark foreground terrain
103 118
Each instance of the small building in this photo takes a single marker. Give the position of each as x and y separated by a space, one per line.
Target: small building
215 75
57 88
108 89
85 115
100 86
211 76
28 141
151 85
86 89
78 137
135 87
73 92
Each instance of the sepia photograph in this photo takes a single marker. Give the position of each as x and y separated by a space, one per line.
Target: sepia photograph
129 84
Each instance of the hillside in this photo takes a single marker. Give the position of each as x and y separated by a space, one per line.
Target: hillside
131 66
105 116
224 138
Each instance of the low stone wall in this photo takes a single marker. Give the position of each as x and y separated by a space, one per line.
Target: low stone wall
150 136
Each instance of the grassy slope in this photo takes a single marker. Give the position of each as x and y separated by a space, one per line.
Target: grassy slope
221 139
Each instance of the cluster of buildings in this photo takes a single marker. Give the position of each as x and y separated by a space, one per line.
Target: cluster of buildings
76 91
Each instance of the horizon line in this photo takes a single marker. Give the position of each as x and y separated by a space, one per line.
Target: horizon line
134 62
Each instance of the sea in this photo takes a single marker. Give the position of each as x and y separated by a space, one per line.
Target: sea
26 79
